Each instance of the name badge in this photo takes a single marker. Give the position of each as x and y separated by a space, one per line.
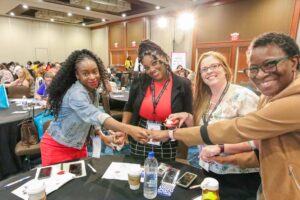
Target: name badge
151 125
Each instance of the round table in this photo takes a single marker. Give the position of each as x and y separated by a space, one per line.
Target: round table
92 186
119 95
9 137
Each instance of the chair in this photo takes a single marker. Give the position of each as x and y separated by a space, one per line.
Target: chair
116 114
18 91
182 151
30 152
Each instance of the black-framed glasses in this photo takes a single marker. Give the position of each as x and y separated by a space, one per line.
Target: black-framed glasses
212 67
268 67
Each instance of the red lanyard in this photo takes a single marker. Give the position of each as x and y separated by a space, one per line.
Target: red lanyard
155 100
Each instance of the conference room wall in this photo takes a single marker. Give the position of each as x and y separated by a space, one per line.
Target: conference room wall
100 43
171 37
22 40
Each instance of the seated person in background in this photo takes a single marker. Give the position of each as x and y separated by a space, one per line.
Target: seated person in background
153 96
216 99
41 93
5 75
24 78
75 105
39 77
55 68
180 71
273 59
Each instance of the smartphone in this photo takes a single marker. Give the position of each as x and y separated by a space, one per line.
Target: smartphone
45 173
186 179
171 176
76 169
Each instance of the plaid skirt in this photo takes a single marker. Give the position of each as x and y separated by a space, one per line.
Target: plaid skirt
165 152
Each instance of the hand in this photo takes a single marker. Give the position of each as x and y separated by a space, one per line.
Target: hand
138 133
182 117
209 151
229 159
119 137
158 135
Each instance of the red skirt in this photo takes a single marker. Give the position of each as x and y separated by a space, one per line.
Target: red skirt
53 152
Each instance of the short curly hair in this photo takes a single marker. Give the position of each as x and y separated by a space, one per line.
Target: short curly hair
283 41
66 77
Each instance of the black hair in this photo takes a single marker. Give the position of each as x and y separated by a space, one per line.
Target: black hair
66 77
283 41
147 47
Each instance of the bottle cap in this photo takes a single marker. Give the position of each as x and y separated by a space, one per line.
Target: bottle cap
210 184
151 154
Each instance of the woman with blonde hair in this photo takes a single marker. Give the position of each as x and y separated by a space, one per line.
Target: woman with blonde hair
217 99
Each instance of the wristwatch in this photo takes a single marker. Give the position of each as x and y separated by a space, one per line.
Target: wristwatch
171 135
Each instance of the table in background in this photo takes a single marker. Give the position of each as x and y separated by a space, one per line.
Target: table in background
93 187
121 96
9 137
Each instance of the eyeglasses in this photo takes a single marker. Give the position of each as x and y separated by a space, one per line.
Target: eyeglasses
212 67
267 67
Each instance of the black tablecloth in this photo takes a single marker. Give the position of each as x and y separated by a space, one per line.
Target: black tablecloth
93 187
9 137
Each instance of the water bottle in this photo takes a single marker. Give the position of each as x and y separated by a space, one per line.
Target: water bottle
24 103
150 178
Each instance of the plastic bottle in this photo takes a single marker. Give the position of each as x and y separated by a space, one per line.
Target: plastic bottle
210 189
150 179
24 103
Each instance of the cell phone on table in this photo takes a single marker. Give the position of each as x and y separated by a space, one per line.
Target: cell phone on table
44 173
171 176
76 169
186 179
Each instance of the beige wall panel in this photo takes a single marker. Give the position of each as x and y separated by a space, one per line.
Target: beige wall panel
100 43
19 38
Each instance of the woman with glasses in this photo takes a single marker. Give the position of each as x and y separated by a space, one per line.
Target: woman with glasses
75 105
273 59
216 99
153 96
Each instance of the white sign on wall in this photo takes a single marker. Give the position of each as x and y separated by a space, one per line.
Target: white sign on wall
178 58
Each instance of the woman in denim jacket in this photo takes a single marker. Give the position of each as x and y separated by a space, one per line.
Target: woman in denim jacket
74 101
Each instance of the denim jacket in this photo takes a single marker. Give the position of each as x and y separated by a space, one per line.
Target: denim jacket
75 117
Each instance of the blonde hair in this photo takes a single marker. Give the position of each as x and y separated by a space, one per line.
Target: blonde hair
202 92
26 75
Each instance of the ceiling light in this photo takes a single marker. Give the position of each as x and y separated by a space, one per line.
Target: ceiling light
52 20
162 22
12 14
25 6
69 14
157 7
186 21
123 15
88 8
103 20
83 24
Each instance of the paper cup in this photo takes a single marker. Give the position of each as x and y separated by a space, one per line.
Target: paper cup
134 179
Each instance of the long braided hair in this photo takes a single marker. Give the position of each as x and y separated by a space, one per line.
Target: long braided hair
66 77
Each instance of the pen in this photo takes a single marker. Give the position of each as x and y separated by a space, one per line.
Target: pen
17 181
195 186
92 168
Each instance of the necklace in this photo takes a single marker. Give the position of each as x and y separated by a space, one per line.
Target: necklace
207 115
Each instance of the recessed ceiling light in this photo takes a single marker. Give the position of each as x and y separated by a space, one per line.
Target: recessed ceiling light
123 15
103 20
25 6
88 8
157 7
12 14
83 24
52 20
69 14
